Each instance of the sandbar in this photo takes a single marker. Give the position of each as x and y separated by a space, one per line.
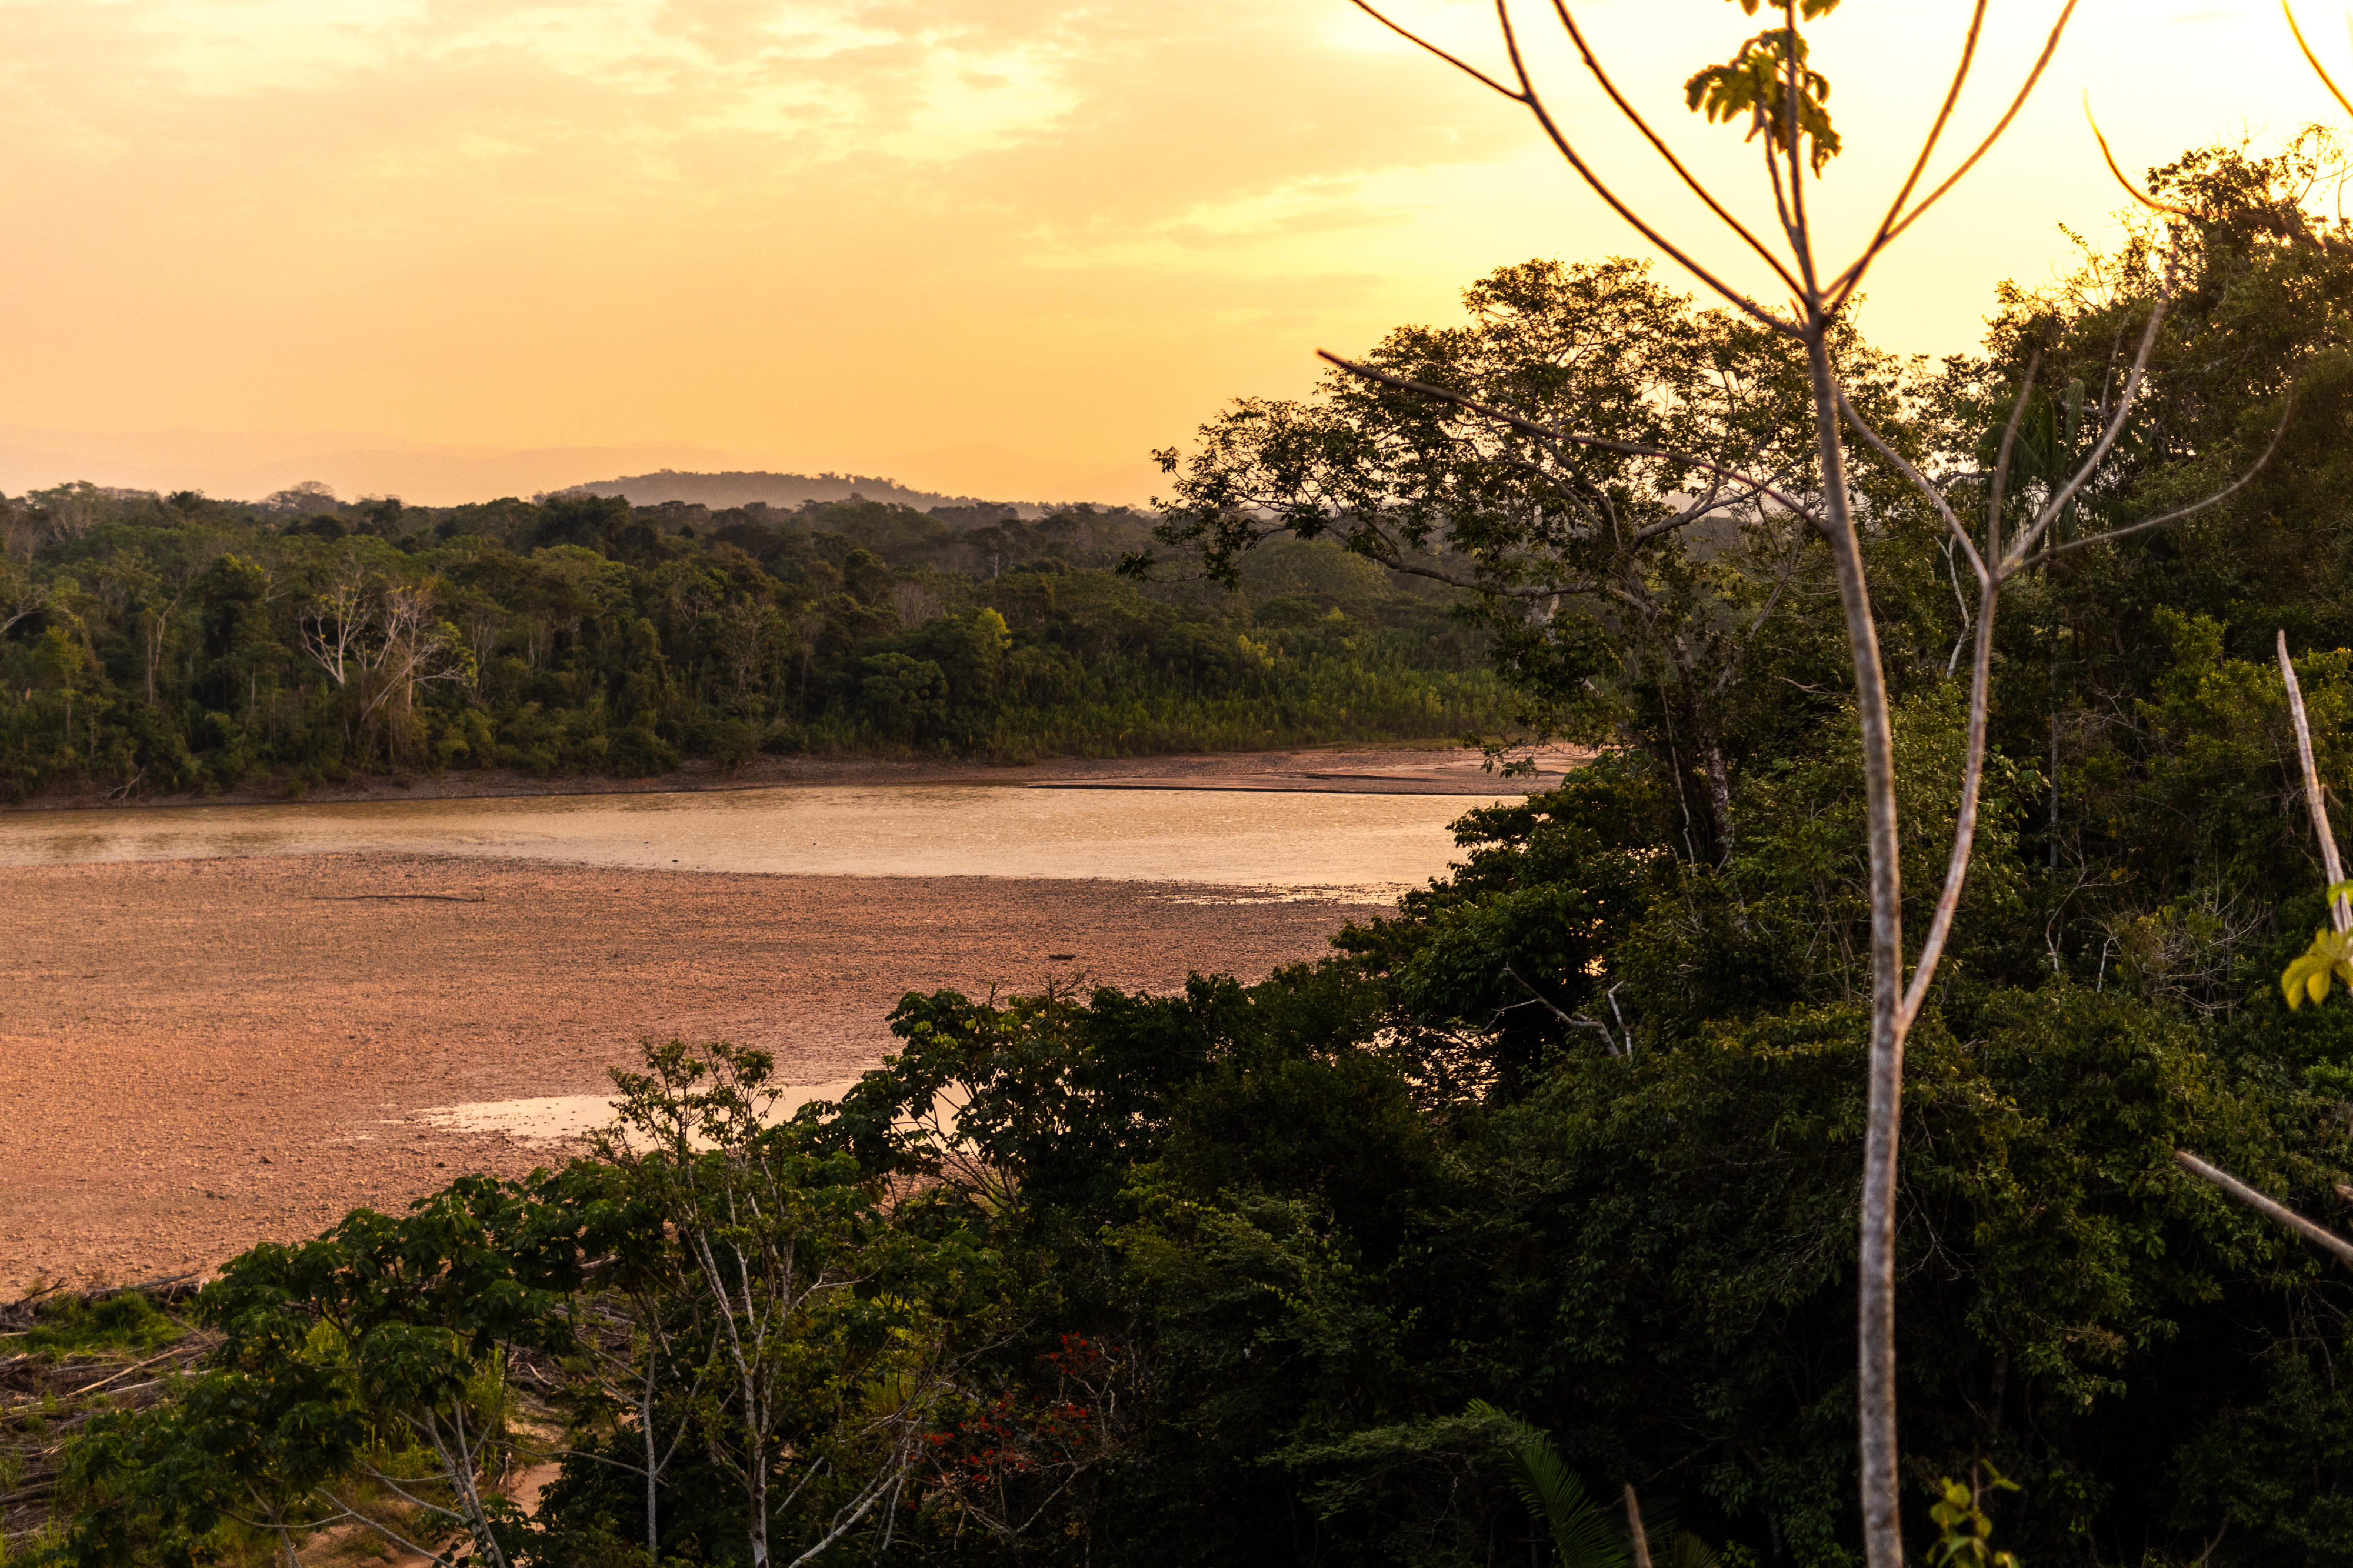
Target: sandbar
199 1055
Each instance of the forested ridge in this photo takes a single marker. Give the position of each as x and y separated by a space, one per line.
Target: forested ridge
1564 1151
152 644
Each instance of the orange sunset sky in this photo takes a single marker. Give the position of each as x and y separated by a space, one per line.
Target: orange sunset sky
452 248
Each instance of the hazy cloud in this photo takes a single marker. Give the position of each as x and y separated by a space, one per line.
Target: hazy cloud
822 232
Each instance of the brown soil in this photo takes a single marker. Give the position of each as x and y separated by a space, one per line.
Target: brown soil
1436 767
199 1055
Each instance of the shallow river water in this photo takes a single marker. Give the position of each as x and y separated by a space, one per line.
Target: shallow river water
1261 839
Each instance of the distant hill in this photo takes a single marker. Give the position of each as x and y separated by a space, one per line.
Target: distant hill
719 492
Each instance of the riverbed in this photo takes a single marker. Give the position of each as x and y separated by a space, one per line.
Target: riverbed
224 1024
1370 844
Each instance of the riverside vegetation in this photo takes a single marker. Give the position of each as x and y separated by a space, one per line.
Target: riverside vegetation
161 644
1556 1162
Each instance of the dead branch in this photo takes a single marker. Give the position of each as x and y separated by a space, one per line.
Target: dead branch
2315 799
2319 1235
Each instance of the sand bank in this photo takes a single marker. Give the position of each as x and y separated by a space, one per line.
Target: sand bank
199 1055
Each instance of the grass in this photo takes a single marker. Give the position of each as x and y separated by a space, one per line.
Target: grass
127 1321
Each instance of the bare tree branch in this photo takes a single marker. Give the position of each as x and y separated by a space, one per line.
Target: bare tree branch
2176 515
2134 192
1641 1540
2318 1234
1574 1020
1919 482
1417 41
2109 432
2314 60
1593 64
2001 458
1527 95
1847 281
1965 825
2315 799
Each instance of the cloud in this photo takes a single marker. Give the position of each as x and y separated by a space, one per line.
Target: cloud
506 220
823 231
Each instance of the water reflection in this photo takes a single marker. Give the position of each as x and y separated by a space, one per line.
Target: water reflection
1251 840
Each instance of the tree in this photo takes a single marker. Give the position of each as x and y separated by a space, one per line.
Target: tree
379 639
313 496
1626 574
234 1446
421 1313
1769 87
908 696
830 1375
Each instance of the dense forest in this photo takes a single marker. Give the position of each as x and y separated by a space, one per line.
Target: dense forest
1545 1185
160 643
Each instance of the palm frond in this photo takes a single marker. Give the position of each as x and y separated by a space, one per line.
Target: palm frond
1690 1552
1583 1535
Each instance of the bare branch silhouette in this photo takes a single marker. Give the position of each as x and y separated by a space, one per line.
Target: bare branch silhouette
1593 64
2314 60
1886 229
2134 192
2316 798
2178 513
1848 279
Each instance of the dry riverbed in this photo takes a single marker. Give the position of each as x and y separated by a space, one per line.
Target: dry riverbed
1436 767
199 1055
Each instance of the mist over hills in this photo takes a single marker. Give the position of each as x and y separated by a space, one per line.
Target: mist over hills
738 488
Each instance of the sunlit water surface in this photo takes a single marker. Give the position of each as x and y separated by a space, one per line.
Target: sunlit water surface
1320 843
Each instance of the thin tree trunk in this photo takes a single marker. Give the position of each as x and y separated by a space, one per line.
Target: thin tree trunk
1719 794
2049 578
756 1474
285 1536
1875 1310
1717 839
2314 798
1634 1527
653 1470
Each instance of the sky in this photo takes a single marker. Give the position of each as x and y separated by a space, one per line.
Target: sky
1004 248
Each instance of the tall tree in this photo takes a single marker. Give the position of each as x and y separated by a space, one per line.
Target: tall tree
1769 87
1625 570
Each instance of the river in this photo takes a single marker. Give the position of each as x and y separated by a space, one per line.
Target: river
1364 843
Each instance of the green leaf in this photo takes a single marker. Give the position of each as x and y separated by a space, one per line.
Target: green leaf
1583 1535
1755 83
1690 1552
